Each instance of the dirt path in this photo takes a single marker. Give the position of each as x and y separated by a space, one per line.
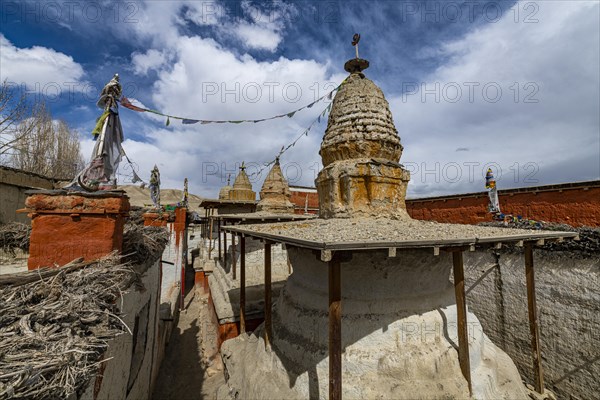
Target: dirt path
184 374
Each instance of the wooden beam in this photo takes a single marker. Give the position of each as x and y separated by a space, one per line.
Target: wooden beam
461 313
268 321
335 330
533 319
242 284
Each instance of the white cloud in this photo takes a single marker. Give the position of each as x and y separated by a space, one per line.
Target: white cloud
39 68
258 37
150 60
264 31
555 138
203 80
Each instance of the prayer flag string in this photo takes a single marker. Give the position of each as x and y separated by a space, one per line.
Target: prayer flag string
125 102
292 144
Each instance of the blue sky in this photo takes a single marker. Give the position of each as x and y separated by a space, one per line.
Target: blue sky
514 85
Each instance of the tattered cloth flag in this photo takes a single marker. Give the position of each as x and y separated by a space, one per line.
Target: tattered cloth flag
101 172
127 104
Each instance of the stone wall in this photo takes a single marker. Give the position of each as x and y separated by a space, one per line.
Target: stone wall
576 204
13 184
568 299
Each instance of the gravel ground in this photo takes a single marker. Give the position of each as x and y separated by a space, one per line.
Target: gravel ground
377 230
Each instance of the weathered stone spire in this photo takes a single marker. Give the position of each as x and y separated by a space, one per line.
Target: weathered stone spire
275 193
224 192
242 188
361 152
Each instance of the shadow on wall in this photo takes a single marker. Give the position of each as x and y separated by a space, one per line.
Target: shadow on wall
567 287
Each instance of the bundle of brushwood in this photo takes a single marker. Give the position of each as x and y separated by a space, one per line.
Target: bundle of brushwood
55 324
14 236
143 244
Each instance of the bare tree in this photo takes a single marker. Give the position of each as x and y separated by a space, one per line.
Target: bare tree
47 147
13 108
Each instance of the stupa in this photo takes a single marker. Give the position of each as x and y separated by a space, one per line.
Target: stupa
360 153
224 192
370 309
242 188
275 193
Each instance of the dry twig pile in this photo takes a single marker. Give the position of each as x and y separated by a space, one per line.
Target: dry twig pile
55 324
14 236
54 331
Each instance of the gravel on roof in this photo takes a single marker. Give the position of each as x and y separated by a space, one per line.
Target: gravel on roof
265 215
383 230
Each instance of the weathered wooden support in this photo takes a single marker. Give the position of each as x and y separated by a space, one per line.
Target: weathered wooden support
242 284
461 314
335 330
268 321
224 246
533 319
219 236
210 239
233 257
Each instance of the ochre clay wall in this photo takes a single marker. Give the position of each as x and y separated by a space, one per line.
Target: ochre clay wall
575 204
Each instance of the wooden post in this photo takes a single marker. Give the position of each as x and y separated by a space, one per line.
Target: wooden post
224 246
219 236
233 258
210 239
268 322
533 319
335 330
461 314
242 284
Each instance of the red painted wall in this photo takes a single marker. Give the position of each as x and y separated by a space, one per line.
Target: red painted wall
574 206
299 200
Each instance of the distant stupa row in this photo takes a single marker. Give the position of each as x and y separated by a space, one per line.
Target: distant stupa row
274 196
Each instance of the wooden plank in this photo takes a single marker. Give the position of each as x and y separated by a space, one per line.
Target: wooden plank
335 330
268 321
242 284
461 313
533 319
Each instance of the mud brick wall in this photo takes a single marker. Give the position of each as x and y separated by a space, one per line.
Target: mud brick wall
568 300
13 184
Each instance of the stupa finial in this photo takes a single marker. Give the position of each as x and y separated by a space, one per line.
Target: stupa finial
355 40
356 65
